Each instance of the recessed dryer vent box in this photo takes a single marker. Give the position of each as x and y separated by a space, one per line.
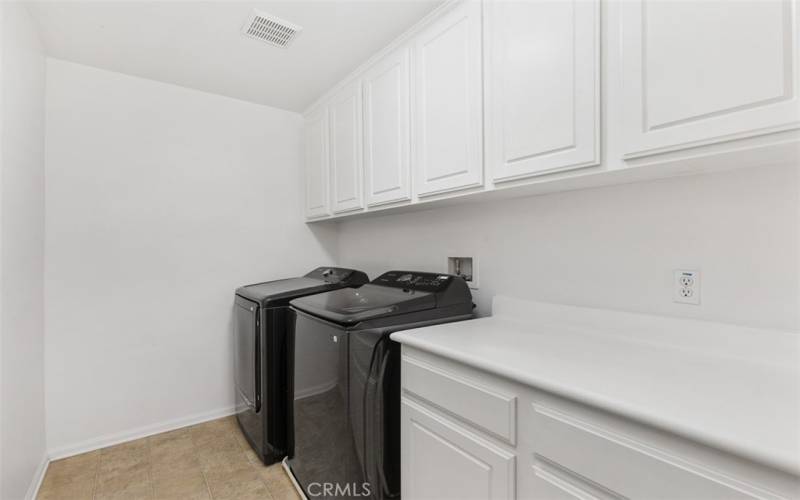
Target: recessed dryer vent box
466 267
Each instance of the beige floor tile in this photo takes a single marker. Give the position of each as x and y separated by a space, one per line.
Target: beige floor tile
131 484
178 465
211 431
129 492
245 446
66 490
128 483
70 478
229 423
237 484
122 458
203 462
278 483
223 453
79 466
188 485
247 449
166 452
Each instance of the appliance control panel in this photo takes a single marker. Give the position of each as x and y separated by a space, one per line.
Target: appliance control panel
411 280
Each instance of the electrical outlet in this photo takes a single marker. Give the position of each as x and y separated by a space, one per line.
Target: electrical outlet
686 286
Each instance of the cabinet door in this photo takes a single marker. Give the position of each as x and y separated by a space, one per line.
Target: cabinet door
442 460
346 149
387 147
317 164
543 85
702 72
448 102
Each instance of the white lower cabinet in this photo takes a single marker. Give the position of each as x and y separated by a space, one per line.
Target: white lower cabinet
443 460
579 456
470 434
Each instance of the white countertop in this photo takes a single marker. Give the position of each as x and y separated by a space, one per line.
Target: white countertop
734 388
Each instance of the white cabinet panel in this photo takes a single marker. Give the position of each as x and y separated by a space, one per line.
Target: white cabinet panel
489 409
701 72
346 149
387 129
443 461
317 164
568 448
543 86
448 102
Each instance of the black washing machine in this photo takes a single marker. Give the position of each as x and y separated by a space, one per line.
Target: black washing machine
260 359
345 409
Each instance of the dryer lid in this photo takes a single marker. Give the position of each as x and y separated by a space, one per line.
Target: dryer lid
274 291
322 279
349 306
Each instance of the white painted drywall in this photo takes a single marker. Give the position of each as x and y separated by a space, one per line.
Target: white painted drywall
615 247
160 201
22 144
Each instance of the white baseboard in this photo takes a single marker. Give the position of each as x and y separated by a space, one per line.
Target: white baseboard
288 471
38 477
138 433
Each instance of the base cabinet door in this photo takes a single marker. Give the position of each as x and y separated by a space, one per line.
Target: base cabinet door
317 164
346 149
442 460
448 102
697 73
387 129
542 86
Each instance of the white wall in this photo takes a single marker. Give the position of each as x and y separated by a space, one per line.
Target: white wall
160 202
22 78
615 247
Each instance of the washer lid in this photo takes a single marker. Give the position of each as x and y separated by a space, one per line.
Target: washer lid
349 306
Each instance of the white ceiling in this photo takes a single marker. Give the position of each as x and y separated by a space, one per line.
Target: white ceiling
200 45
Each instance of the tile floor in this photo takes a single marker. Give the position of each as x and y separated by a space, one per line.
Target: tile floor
205 461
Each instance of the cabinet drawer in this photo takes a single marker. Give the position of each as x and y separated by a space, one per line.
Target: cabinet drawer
442 460
593 458
488 409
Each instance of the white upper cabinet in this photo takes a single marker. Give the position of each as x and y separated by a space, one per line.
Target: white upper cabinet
448 102
526 80
387 130
702 72
317 164
542 86
346 149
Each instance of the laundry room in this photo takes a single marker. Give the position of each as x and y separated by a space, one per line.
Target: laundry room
383 249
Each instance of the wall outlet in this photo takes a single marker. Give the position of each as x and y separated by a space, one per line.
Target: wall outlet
466 267
686 286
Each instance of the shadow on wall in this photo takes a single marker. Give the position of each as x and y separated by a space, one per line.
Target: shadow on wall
326 235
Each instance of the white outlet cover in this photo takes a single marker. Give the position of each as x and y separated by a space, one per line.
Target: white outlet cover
686 286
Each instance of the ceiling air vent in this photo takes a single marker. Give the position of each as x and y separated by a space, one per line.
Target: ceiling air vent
270 29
